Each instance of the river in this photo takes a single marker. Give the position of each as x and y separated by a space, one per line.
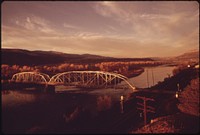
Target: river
151 76
32 111
71 110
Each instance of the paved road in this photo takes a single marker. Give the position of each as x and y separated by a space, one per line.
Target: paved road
156 91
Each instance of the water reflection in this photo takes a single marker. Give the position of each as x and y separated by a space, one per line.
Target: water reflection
15 98
38 111
5 92
72 116
104 103
34 129
122 104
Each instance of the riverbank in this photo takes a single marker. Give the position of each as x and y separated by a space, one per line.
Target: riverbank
182 79
134 73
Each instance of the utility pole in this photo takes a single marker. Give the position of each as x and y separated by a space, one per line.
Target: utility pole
122 104
145 108
178 87
147 78
152 75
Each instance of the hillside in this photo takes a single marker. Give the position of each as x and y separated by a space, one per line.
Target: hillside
183 78
178 123
189 55
25 57
185 58
184 120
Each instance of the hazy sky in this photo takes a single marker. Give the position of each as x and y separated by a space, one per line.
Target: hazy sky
117 29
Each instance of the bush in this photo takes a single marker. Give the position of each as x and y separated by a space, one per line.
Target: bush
189 98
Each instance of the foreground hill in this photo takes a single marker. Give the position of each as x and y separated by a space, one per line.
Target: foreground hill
184 120
25 57
178 123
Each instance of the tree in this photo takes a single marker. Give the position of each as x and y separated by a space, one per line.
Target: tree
63 67
189 98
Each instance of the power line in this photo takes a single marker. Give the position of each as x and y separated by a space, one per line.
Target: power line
152 75
145 108
147 78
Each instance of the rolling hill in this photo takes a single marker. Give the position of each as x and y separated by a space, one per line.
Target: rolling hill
190 56
26 57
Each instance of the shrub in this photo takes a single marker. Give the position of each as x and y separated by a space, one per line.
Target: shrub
189 98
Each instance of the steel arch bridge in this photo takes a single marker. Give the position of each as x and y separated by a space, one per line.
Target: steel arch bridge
97 79
31 77
89 79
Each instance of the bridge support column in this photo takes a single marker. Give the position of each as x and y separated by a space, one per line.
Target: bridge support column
49 88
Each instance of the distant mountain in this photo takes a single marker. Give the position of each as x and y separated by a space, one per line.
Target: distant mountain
185 57
25 57
189 55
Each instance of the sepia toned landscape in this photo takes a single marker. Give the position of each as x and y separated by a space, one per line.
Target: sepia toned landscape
100 67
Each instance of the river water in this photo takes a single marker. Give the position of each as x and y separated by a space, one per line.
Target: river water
69 110
151 76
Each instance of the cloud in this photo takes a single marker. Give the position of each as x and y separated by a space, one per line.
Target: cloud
112 28
71 26
121 29
104 8
148 20
88 35
110 9
35 23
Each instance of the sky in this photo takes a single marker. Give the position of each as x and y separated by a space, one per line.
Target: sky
125 29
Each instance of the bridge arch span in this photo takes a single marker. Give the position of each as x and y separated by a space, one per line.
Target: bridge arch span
32 77
89 78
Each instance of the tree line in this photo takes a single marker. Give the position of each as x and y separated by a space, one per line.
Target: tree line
124 68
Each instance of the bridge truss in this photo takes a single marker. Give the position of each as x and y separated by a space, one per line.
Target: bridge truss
97 79
31 77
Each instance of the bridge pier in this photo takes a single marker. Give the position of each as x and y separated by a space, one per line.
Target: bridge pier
49 88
